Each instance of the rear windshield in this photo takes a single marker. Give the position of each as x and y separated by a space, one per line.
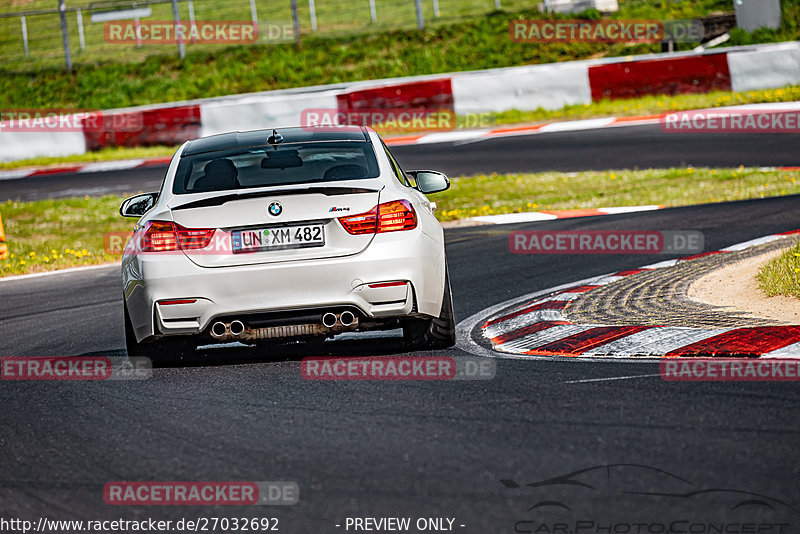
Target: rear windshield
296 163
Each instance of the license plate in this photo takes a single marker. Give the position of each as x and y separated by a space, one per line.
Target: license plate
258 239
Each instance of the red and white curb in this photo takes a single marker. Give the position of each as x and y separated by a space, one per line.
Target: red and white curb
534 326
100 166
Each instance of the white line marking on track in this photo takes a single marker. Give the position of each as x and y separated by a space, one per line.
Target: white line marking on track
586 380
571 126
629 209
13 175
104 166
512 218
60 271
450 137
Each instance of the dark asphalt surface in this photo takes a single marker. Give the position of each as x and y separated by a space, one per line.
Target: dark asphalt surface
610 148
409 449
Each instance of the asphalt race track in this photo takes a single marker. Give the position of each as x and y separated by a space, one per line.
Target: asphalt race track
407 449
610 148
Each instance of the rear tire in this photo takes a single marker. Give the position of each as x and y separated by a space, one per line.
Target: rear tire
161 351
435 332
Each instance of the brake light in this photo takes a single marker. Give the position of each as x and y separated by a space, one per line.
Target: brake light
360 224
396 216
159 236
164 236
194 238
387 217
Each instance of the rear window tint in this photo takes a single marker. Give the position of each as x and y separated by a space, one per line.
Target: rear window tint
296 163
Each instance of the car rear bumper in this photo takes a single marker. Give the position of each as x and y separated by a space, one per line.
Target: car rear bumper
151 279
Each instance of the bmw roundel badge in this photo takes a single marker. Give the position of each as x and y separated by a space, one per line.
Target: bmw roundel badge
275 209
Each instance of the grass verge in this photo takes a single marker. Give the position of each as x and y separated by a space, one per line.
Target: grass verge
46 235
54 234
781 276
647 105
513 193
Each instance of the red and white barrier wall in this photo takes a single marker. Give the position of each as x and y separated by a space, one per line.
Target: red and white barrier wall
550 86
765 68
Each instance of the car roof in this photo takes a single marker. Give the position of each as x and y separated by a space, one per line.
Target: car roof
258 138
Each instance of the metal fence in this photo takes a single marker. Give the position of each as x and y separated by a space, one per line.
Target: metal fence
34 37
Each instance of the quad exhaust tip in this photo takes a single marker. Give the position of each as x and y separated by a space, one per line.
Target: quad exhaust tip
218 329
236 327
329 320
347 318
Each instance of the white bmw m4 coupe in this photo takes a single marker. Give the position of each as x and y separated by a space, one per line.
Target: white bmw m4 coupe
293 234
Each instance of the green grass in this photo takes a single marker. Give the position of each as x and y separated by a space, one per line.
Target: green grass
781 276
71 232
127 78
46 235
106 154
513 193
626 107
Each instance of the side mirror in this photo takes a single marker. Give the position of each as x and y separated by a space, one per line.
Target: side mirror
138 205
430 181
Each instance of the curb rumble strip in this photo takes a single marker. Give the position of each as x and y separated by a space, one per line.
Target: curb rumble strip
533 326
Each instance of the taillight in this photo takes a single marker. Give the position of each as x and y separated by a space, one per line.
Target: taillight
360 224
159 236
163 236
388 217
194 238
396 216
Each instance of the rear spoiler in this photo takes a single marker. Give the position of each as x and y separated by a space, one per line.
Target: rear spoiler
222 199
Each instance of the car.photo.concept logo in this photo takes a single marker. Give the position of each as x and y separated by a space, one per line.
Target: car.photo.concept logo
629 498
